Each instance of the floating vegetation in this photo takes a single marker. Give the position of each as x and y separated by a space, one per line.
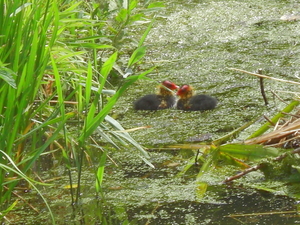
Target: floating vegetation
267 153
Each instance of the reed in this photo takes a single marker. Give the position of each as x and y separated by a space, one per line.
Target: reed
55 60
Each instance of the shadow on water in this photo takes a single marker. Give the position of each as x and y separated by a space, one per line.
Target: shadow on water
134 193
160 197
242 208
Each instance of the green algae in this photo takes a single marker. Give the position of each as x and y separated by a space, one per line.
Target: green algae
195 44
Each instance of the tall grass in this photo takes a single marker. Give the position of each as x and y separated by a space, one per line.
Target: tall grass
24 57
55 60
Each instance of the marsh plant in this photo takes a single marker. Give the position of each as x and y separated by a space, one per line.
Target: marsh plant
56 58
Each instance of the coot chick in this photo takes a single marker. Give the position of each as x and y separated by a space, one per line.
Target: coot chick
189 102
162 100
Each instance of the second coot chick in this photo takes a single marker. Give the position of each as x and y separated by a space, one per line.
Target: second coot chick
189 102
162 100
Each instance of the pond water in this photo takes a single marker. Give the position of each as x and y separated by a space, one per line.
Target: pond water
195 42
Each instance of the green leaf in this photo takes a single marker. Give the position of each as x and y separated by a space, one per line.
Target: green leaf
88 84
106 68
249 152
145 34
134 18
125 135
14 169
137 55
209 163
121 17
10 208
20 9
201 189
107 138
93 123
274 120
156 5
100 172
133 4
8 76
89 45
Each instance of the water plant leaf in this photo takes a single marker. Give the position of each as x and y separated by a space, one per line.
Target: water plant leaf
8 76
145 34
49 122
201 188
106 137
136 18
189 146
133 4
282 132
125 135
147 161
69 186
229 159
209 163
190 163
106 68
17 171
71 9
122 15
231 135
100 172
11 207
249 152
96 89
137 55
274 120
95 122
156 5
18 10
90 45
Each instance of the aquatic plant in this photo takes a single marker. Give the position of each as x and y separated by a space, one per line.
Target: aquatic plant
259 151
24 57
56 59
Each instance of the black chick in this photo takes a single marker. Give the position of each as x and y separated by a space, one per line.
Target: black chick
190 102
164 99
